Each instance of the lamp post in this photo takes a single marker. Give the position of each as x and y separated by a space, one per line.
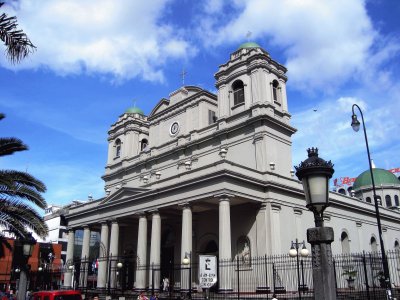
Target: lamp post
294 252
187 260
355 124
27 248
119 267
72 270
315 173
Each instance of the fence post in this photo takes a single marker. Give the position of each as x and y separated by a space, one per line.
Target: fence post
273 275
366 275
238 278
152 278
266 275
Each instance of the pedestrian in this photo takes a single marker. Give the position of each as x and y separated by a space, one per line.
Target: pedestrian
142 296
95 297
274 297
154 297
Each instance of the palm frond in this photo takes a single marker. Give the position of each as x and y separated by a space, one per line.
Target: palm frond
17 42
10 145
16 216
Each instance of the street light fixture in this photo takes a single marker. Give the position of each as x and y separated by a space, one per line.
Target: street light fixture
27 248
294 252
355 124
187 260
315 173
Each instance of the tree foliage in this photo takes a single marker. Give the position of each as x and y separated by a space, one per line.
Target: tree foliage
18 191
18 45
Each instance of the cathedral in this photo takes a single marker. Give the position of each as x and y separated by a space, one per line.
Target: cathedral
212 174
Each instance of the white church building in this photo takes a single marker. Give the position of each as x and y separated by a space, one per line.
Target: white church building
213 174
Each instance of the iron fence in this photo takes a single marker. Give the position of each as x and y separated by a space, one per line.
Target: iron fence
358 276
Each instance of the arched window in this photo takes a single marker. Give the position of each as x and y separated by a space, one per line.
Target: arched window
342 191
117 146
374 245
143 144
344 238
388 200
396 200
396 246
238 92
368 199
275 90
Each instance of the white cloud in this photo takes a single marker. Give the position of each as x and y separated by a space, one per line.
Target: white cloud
123 38
329 129
326 43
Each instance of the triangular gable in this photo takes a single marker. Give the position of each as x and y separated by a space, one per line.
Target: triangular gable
163 104
122 193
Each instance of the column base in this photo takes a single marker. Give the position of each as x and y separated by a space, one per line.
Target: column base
263 290
279 290
225 291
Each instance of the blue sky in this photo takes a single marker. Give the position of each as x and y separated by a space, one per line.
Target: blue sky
95 58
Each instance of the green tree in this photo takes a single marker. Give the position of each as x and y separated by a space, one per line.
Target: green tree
18 191
18 45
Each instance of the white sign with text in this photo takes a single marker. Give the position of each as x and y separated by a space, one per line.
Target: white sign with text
207 271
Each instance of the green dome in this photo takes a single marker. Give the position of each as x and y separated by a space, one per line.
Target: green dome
381 176
249 45
134 110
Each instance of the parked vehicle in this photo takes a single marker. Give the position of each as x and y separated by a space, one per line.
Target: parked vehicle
57 295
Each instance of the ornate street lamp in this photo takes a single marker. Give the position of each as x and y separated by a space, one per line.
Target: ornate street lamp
355 124
294 252
315 173
27 248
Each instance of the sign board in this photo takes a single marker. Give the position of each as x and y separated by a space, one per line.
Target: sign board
207 271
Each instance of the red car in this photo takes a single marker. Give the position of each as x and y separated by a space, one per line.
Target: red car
57 295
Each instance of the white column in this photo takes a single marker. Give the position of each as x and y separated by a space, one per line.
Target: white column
85 256
261 240
114 243
102 269
141 253
155 250
275 225
69 259
225 247
186 244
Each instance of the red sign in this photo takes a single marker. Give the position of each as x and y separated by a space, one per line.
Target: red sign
350 180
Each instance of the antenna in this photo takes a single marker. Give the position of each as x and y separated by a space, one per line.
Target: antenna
183 76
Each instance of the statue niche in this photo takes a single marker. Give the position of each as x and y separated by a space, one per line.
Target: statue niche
243 251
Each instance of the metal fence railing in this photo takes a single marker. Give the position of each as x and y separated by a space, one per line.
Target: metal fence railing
358 276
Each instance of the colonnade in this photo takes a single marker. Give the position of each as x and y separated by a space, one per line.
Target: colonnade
109 238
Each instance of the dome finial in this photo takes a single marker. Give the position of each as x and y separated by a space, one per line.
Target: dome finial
373 164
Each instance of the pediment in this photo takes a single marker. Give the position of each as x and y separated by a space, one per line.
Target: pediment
123 193
163 104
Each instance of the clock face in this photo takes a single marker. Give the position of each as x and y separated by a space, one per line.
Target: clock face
174 129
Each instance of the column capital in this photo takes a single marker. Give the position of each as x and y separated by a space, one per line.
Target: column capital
224 196
184 204
141 213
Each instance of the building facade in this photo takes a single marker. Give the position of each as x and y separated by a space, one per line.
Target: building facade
211 174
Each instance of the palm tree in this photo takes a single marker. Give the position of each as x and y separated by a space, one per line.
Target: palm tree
17 42
17 189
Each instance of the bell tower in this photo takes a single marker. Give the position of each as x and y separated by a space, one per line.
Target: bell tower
251 77
252 94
